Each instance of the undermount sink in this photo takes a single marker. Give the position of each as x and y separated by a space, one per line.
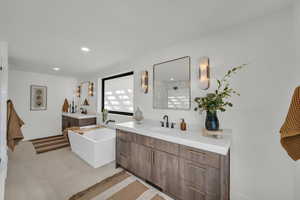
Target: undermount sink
160 129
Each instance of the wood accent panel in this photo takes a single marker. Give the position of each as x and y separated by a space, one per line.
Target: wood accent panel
200 156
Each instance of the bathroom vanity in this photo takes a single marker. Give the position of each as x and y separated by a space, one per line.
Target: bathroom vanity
184 165
77 119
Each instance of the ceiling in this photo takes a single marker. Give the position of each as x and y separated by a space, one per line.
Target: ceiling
43 34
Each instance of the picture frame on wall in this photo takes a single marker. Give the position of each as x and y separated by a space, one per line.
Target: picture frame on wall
38 98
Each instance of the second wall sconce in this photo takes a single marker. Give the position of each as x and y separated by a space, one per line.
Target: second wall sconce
78 91
91 88
204 74
144 81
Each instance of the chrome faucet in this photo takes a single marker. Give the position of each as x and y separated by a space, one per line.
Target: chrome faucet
108 121
167 122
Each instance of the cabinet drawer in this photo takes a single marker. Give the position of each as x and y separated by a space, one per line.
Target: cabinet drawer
87 122
191 193
204 178
143 140
166 146
125 136
193 174
199 156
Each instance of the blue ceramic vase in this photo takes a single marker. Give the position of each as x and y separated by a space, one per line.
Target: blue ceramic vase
211 121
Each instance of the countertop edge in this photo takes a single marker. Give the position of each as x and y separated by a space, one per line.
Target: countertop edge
79 117
204 146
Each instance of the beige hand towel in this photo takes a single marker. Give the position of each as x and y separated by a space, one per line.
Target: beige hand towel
65 107
290 130
14 124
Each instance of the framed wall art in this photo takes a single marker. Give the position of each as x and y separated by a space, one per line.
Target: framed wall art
38 98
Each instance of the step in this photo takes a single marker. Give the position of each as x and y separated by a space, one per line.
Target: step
50 143
51 148
42 140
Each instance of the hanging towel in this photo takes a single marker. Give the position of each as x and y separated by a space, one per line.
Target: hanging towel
290 130
14 124
65 107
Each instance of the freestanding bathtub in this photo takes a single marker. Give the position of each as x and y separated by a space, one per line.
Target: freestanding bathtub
96 147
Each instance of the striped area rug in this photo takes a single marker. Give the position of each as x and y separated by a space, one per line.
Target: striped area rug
121 186
51 143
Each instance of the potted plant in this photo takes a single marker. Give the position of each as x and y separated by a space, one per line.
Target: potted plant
217 101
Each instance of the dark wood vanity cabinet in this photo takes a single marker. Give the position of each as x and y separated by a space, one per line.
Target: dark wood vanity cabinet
68 122
184 173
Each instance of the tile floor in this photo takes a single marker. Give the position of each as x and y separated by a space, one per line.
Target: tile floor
55 175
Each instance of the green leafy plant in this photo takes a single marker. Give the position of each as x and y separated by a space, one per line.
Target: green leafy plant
218 100
104 115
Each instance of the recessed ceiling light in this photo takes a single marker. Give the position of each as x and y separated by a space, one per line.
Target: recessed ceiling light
172 79
85 49
56 68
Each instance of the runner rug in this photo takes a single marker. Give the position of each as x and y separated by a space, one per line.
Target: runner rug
121 186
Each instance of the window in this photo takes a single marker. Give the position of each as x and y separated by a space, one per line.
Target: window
117 94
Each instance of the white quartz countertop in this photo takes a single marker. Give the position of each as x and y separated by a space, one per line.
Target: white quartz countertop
79 115
188 138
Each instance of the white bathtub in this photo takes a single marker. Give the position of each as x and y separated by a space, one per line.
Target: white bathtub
96 147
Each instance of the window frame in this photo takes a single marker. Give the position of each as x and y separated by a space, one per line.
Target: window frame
103 92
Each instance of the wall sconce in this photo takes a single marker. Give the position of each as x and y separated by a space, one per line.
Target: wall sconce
78 91
145 81
91 89
204 75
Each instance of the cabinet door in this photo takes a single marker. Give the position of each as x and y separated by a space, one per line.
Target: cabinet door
165 169
199 179
141 160
123 153
190 193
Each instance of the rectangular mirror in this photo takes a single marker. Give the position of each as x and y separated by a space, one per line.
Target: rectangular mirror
172 84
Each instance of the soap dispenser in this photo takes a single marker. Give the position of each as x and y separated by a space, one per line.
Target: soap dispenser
183 125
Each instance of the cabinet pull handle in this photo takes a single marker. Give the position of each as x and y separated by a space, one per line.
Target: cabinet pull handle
153 159
197 152
197 167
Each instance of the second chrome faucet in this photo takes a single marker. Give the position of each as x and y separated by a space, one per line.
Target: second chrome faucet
165 122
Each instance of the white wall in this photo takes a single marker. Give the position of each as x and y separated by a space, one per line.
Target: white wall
3 113
40 123
260 168
296 75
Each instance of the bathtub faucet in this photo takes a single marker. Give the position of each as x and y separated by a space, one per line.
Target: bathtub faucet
108 121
